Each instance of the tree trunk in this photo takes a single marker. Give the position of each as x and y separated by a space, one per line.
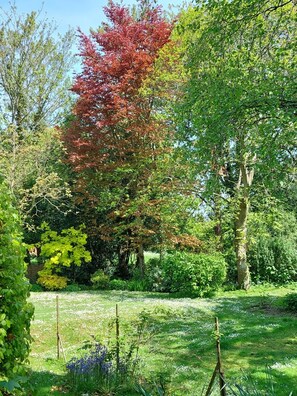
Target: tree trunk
246 176
123 263
243 272
140 260
218 221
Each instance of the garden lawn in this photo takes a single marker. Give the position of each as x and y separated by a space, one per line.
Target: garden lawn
179 345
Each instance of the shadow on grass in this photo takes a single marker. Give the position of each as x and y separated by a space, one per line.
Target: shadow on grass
44 383
256 334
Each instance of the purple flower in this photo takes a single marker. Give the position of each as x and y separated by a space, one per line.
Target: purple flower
93 362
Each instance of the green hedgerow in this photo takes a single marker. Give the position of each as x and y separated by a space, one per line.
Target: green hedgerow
189 273
15 311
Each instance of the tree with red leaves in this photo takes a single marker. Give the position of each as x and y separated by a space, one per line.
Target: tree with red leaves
117 138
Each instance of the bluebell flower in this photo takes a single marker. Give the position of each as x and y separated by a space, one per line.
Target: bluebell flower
94 361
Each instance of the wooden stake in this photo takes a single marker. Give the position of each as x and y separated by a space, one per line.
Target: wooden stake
214 374
219 360
59 340
58 331
117 338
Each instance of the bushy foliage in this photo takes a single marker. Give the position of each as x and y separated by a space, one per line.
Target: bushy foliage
130 285
290 302
52 281
274 260
200 274
118 284
74 287
15 312
36 288
60 251
100 280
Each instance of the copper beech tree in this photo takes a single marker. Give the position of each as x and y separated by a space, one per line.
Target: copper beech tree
117 137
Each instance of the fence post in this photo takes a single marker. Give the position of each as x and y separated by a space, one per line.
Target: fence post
57 327
117 338
59 339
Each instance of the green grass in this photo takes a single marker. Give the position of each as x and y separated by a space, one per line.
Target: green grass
256 333
151 255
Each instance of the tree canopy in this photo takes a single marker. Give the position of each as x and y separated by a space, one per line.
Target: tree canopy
238 115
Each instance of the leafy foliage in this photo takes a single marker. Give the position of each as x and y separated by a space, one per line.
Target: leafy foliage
15 312
34 95
237 114
274 260
33 72
59 251
290 302
51 281
200 274
100 280
117 137
33 168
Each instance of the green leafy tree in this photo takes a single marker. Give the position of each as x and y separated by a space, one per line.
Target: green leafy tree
15 311
238 118
34 96
33 71
64 250
36 175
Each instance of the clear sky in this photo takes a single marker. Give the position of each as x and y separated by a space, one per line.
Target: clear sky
66 14
73 13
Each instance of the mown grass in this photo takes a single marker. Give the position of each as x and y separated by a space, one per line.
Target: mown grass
180 348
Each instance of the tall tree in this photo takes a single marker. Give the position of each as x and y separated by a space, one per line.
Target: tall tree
116 139
35 62
34 95
239 110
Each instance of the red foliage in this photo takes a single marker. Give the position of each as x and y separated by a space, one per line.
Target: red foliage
115 137
113 126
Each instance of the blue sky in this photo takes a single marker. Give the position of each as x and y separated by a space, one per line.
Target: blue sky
67 14
73 13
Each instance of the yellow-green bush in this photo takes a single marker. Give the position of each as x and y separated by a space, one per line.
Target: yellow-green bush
58 251
51 281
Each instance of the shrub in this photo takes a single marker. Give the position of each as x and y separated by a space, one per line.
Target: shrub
131 285
15 312
60 251
74 287
154 275
290 302
138 285
118 284
100 280
51 281
36 288
183 272
274 260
